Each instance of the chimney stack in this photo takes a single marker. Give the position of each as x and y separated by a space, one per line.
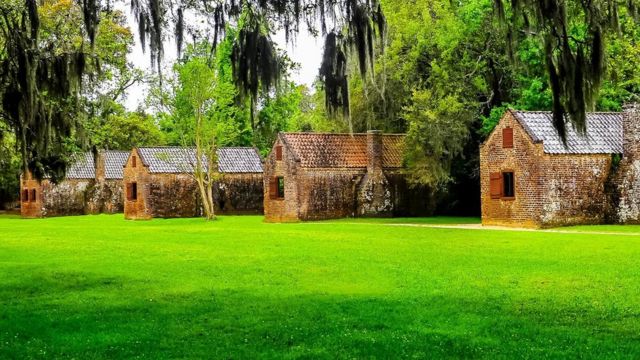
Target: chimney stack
631 130
374 151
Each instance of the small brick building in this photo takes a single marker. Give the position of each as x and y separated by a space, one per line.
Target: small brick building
312 176
159 182
93 185
530 178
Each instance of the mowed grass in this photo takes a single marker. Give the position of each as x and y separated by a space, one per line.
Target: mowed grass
102 287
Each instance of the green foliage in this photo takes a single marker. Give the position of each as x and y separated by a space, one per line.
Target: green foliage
9 167
230 113
119 129
433 138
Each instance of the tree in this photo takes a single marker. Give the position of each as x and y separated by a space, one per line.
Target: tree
198 81
356 24
572 34
55 58
119 129
39 87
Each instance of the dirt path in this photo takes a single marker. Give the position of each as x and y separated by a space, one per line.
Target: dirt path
496 228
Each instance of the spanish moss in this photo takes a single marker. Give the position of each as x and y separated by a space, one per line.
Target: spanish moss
575 64
358 23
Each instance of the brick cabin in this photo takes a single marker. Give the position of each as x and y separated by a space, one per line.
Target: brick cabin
93 184
314 176
529 178
159 182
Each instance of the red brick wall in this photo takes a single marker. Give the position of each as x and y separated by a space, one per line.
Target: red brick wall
136 209
550 190
328 193
286 209
524 159
177 195
30 208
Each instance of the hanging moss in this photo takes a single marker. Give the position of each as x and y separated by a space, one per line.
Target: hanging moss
358 22
575 65
39 96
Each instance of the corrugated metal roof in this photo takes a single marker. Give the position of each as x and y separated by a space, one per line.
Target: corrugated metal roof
316 150
114 162
603 135
81 166
183 160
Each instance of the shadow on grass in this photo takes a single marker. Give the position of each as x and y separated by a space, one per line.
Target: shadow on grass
80 315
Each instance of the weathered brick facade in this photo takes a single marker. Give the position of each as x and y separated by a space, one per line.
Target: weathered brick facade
323 176
169 192
557 185
88 189
626 183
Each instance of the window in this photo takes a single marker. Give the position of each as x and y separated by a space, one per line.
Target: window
133 161
507 138
279 152
281 187
32 198
132 191
502 185
276 188
25 195
508 189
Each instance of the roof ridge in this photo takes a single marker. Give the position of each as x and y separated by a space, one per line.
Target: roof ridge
549 112
330 133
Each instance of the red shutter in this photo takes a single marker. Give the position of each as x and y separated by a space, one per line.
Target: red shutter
278 152
507 138
273 188
495 185
129 190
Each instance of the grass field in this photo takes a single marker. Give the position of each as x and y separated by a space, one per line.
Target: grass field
101 287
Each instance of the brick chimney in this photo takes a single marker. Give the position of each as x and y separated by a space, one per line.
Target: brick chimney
374 151
99 165
374 194
631 130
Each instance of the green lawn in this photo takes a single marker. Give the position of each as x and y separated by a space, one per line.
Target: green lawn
102 287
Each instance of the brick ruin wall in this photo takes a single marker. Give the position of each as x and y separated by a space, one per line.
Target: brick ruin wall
337 193
625 184
328 194
239 194
575 189
178 195
73 197
171 195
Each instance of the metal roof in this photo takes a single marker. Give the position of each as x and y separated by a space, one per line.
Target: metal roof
114 162
81 166
603 134
183 160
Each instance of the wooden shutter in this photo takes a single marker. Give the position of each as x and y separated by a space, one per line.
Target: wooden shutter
129 190
507 138
25 195
32 198
278 152
273 188
133 161
495 185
